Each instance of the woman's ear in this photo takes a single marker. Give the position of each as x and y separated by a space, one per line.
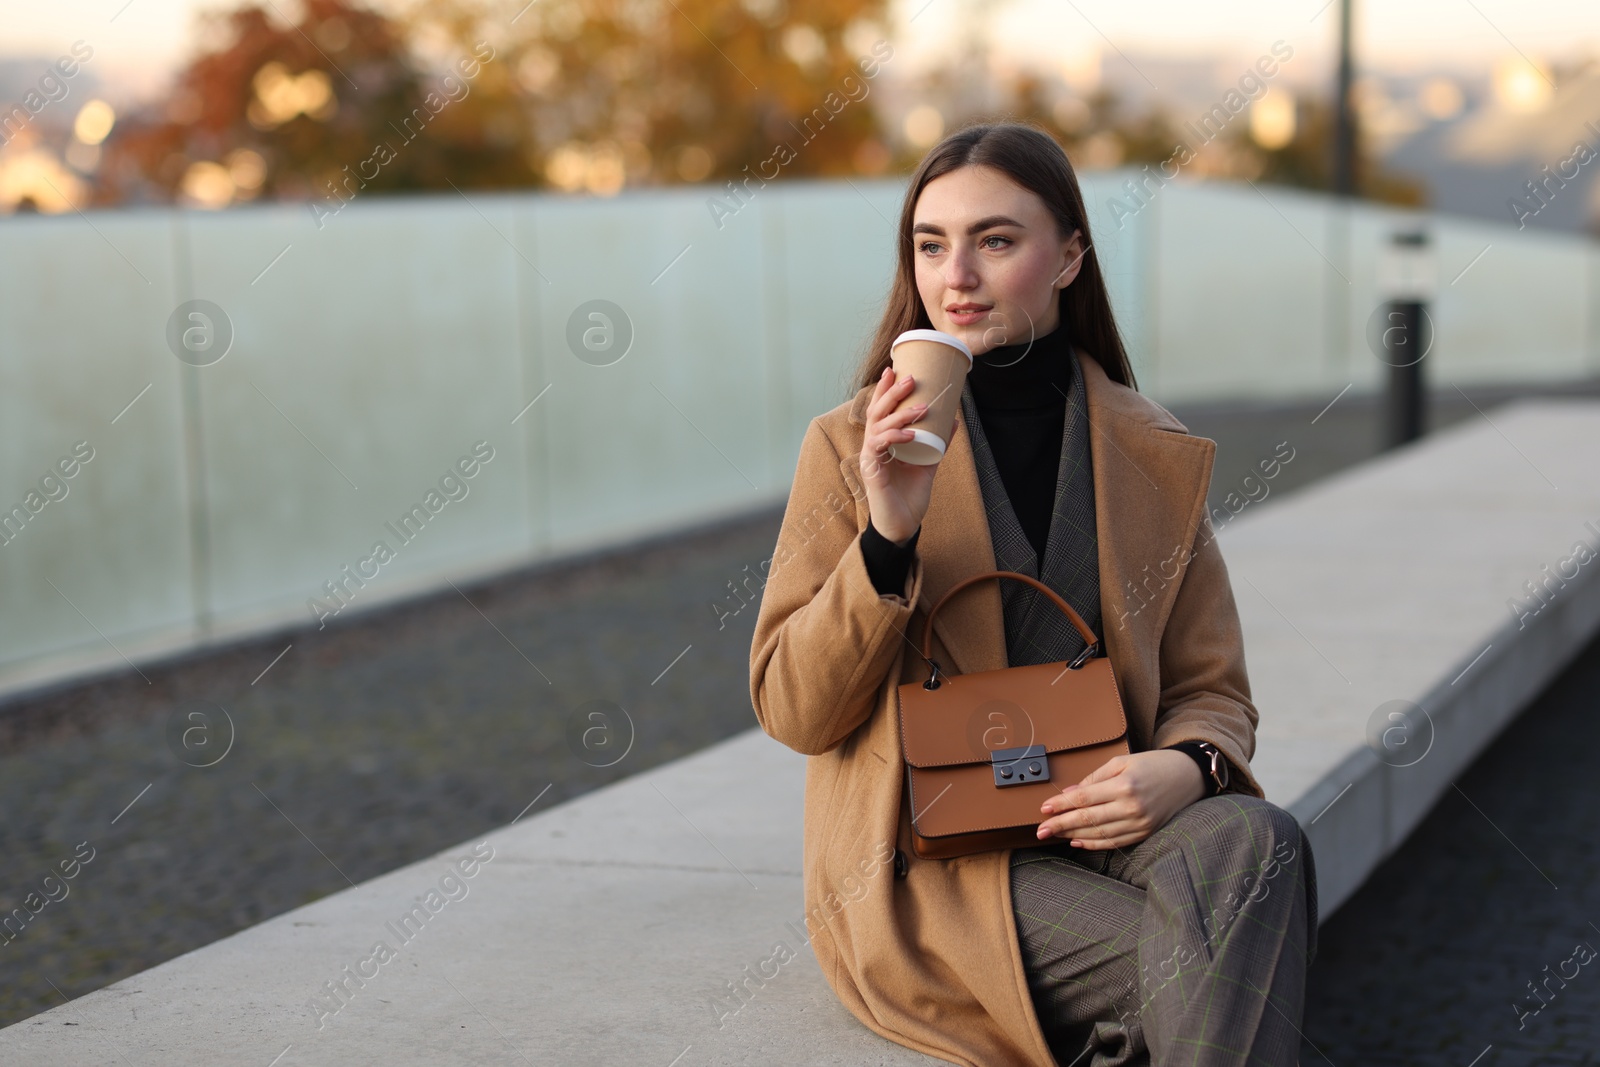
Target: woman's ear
1073 250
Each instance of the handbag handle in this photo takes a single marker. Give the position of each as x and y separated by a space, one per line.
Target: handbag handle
1090 640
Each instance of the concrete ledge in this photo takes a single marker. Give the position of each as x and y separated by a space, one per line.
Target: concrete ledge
609 929
606 930
1391 582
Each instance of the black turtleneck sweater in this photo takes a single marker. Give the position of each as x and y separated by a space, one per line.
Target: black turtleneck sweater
1021 395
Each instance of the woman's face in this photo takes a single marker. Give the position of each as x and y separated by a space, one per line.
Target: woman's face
989 258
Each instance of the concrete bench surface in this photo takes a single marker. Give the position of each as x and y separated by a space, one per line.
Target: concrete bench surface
1393 581
615 928
603 931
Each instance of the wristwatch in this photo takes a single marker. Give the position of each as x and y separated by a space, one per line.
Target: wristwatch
1212 763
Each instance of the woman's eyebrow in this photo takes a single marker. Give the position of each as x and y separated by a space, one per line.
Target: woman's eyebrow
985 223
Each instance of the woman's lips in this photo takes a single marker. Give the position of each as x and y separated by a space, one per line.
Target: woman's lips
967 318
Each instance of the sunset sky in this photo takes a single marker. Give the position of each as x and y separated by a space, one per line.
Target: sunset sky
138 42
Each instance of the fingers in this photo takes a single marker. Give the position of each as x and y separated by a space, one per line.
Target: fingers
1123 840
1109 769
888 394
1105 784
875 455
896 423
893 426
886 384
1107 830
1101 812
1085 794
891 431
1078 824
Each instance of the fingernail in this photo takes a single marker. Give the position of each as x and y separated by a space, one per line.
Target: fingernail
1043 833
1075 843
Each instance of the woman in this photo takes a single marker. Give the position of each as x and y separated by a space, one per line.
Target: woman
1169 913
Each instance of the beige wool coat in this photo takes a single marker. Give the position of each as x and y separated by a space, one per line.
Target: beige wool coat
931 960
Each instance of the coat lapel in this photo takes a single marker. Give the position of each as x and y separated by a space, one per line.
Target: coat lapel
1150 483
955 546
971 627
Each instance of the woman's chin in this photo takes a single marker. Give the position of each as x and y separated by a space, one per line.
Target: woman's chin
986 335
971 336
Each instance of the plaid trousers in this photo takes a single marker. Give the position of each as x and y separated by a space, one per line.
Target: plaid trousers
1189 947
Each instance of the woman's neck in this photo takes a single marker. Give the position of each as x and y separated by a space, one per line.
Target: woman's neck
1036 373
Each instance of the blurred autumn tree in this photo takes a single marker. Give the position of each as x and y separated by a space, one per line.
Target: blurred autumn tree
280 110
590 95
1097 131
1095 128
646 92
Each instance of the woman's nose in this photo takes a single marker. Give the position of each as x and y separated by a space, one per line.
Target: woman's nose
960 271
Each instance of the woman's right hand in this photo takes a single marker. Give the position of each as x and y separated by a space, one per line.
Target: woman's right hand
897 491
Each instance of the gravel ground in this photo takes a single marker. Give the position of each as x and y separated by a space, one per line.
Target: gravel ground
384 739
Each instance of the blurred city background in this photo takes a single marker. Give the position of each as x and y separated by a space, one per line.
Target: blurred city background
398 222
207 105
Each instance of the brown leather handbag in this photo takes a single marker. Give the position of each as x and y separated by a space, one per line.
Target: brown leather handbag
984 750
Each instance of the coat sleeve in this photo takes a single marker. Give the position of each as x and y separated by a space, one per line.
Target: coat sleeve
1205 692
824 638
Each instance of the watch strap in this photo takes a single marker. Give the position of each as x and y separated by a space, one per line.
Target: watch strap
1200 752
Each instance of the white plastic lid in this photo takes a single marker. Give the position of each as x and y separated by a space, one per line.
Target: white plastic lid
936 335
932 449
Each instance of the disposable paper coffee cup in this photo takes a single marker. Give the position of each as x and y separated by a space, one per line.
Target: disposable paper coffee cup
939 363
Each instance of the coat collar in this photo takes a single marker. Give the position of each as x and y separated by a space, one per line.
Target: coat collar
1150 484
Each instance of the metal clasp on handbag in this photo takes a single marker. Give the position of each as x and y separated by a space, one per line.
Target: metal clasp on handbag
1089 652
1019 766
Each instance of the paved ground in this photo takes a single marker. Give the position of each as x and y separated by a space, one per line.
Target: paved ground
368 746
383 740
1429 963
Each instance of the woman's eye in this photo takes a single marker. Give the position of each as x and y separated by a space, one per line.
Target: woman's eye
925 246
995 237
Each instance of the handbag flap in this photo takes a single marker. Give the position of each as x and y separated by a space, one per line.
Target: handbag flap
971 715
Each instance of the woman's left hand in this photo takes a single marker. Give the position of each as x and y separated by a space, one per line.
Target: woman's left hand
1124 801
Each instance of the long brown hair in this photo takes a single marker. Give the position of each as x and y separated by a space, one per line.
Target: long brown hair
1032 159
